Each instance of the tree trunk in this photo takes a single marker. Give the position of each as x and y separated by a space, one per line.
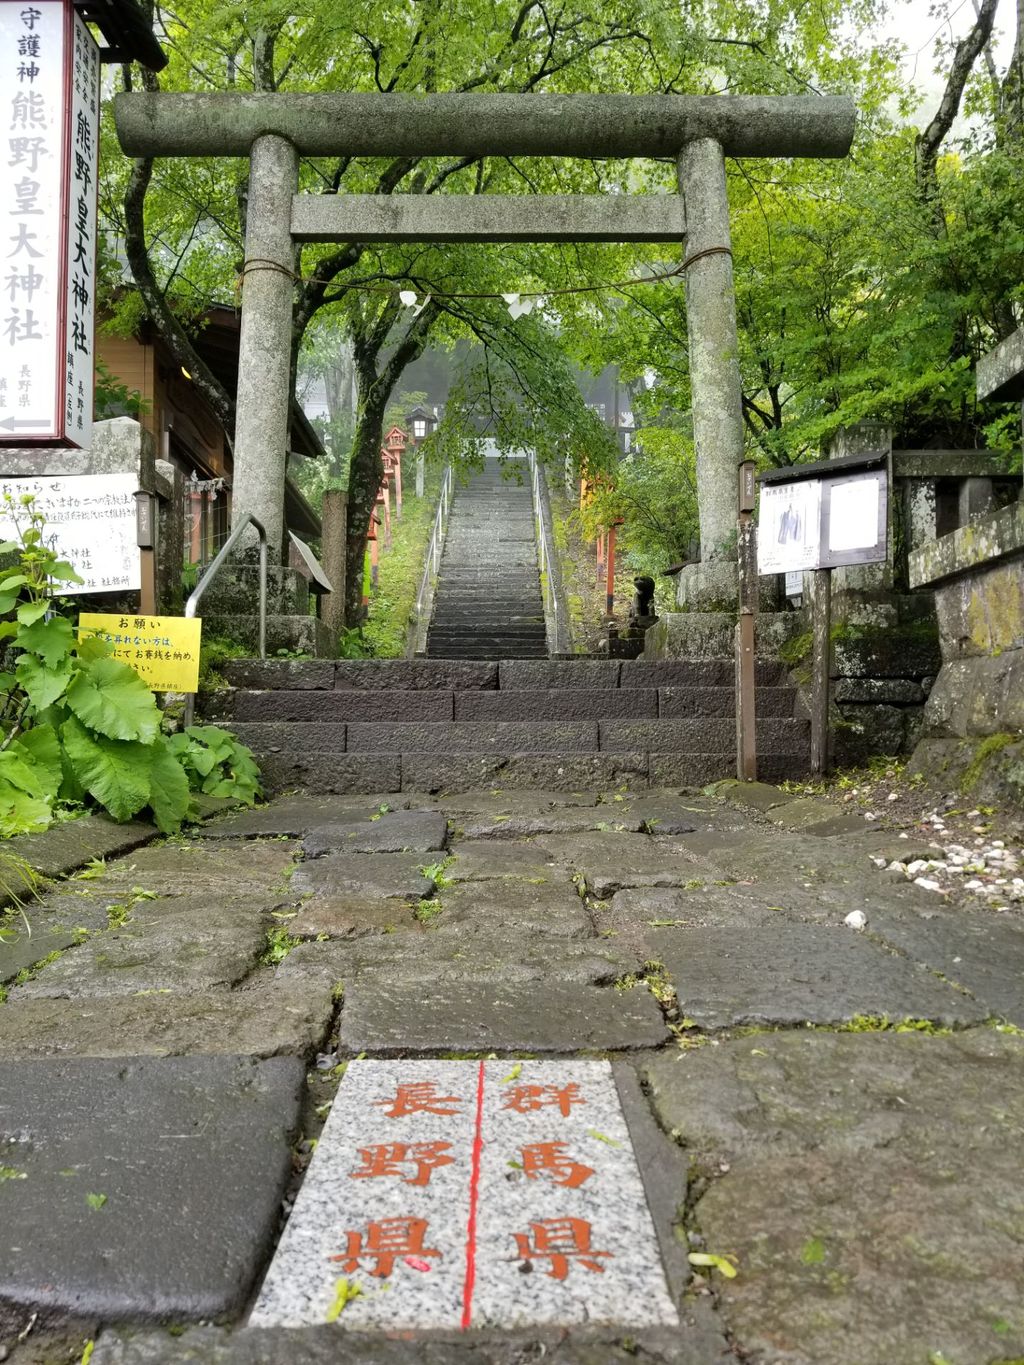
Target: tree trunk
365 474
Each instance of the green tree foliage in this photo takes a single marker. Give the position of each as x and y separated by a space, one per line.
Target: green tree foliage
77 723
182 223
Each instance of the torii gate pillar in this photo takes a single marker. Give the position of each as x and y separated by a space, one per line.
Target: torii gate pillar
264 375
717 404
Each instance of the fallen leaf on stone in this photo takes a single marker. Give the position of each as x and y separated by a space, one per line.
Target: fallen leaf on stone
416 1263
95 1201
758 1052
720 1263
90 1346
514 1074
603 1137
344 1292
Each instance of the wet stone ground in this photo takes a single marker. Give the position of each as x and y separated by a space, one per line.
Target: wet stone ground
812 1059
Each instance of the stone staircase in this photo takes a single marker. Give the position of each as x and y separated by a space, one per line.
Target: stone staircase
430 725
487 602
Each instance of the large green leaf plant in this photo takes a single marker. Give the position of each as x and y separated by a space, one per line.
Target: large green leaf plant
77 724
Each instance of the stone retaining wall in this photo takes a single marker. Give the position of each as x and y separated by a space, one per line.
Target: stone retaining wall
974 716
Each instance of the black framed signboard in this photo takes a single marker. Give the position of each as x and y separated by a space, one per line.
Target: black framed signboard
824 515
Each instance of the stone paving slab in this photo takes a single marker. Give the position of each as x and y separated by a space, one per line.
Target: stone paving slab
412 674
979 950
421 831
159 948
196 1148
572 703
484 859
60 850
22 951
535 1016
609 861
294 816
343 704
496 800
202 868
797 973
568 736
518 908
573 773
274 1021
697 1341
550 822
487 1196
451 957
383 875
868 1185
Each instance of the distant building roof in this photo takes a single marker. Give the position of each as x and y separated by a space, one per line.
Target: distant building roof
127 30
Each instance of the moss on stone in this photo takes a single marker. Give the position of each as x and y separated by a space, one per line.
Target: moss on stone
990 745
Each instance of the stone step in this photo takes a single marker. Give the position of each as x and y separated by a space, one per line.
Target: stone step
701 735
329 772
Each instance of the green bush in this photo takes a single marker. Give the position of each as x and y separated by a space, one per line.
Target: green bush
76 722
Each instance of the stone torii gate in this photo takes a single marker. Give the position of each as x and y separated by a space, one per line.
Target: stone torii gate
699 132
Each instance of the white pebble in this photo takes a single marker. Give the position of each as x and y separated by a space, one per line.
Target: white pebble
856 919
926 884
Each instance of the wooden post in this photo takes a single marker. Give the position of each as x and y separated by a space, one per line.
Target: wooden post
398 481
600 556
385 497
610 574
374 554
335 529
746 661
821 630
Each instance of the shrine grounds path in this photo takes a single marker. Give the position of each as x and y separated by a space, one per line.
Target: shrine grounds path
839 1111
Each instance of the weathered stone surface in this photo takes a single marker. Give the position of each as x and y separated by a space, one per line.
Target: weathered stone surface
552 1016
896 652
295 815
330 771
551 822
569 703
205 869
972 548
991 772
472 737
62 849
482 859
422 831
978 696
161 947
409 675
353 917
288 739
1000 374
342 704
384 875
196 1148
899 1229
699 736
848 1092
258 1023
571 772
533 674
449 954
979 950
793 973
514 801
642 909
698 769
868 730
679 702
690 673
668 812
815 816
610 861
21 951
889 691
280 673
698 1341
524 906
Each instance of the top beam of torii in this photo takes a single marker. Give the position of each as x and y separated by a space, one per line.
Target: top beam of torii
577 125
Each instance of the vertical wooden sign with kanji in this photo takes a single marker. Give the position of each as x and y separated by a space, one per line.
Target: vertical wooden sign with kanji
48 172
470 1194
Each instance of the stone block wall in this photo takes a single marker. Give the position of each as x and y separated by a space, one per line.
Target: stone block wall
974 717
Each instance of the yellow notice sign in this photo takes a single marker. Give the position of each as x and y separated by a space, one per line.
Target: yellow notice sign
163 650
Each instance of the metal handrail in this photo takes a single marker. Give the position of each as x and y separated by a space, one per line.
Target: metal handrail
212 570
556 617
420 618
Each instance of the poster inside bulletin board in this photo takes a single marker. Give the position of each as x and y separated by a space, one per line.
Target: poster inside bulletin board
824 515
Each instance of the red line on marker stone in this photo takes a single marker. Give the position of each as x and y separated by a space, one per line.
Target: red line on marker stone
474 1193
